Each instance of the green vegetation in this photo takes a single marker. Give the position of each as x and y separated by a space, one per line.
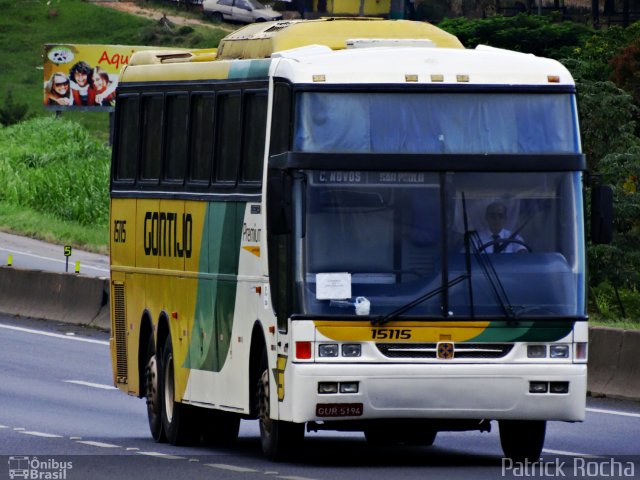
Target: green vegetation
54 179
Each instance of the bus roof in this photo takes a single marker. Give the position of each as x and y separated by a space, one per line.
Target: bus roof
260 40
346 51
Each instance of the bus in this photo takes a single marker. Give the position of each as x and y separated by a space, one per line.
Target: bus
350 225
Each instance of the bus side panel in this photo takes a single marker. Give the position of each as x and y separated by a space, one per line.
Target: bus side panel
219 379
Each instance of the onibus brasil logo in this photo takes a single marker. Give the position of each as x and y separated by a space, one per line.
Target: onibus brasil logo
40 469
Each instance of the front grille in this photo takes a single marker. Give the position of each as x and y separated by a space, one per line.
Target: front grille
120 325
430 350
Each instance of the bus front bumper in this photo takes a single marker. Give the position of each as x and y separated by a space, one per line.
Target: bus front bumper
454 391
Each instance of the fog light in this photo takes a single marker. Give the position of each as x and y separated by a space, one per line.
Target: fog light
351 350
536 351
328 350
559 351
327 387
559 387
349 387
538 387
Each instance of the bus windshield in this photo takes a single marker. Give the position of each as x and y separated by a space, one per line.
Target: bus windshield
331 122
387 238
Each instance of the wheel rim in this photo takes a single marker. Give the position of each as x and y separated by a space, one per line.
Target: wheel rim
168 388
152 386
263 402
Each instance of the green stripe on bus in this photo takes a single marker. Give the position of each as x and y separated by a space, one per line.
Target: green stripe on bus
215 302
525 331
250 68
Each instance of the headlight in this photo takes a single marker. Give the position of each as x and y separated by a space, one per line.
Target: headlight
559 351
328 350
351 350
536 351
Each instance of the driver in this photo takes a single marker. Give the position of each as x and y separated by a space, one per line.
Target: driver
496 237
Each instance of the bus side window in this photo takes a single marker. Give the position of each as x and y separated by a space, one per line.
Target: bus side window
128 137
202 121
228 137
254 134
176 147
152 107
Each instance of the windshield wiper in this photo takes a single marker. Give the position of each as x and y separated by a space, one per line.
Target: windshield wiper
417 301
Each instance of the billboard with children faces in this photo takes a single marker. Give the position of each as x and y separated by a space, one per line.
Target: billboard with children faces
83 77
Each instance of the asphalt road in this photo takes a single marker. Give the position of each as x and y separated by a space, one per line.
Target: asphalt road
33 254
59 412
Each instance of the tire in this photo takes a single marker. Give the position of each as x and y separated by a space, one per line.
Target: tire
152 393
522 439
280 440
216 17
220 428
179 421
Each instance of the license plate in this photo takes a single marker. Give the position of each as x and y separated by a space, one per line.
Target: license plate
339 409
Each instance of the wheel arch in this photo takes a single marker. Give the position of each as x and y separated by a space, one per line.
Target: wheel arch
146 330
258 343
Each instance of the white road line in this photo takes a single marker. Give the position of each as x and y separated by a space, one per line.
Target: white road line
50 259
613 412
98 444
41 434
570 454
232 468
295 478
56 335
4 426
162 455
92 385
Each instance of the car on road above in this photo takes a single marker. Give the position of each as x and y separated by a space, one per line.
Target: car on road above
246 11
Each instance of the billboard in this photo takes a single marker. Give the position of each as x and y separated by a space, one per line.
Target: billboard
83 77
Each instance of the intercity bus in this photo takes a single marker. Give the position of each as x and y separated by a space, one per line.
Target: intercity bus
299 235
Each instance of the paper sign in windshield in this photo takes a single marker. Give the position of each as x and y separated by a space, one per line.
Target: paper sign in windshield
333 286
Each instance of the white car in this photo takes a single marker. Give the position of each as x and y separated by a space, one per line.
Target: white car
247 11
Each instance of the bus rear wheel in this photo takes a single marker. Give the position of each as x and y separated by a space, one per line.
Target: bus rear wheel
522 439
152 392
178 420
280 440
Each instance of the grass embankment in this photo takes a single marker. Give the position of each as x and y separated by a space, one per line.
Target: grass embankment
55 182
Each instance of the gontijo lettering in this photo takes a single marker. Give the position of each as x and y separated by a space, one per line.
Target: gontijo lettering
168 234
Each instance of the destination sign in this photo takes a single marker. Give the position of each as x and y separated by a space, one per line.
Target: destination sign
371 178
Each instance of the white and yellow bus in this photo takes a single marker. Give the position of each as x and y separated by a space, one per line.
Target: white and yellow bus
300 235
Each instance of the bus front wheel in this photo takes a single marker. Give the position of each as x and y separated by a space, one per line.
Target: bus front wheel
280 440
522 439
178 420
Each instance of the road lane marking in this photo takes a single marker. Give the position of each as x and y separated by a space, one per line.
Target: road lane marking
98 444
232 468
161 455
56 335
42 434
50 259
292 477
92 385
613 412
570 454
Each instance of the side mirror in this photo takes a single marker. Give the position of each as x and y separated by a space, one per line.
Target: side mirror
601 214
278 202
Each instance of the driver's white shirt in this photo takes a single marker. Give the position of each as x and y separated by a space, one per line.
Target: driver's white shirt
511 247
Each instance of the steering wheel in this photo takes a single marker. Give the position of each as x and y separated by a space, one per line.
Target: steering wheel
501 244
